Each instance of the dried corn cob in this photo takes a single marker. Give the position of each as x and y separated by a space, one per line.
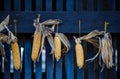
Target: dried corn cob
36 45
79 55
16 55
57 47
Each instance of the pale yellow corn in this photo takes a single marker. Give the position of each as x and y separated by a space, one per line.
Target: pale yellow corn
16 55
36 45
79 55
57 48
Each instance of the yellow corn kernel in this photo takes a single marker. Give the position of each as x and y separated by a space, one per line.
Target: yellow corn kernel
79 55
57 48
36 45
16 55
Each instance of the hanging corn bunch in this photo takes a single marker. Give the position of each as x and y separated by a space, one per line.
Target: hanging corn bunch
57 47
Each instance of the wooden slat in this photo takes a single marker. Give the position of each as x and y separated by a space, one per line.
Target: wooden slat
48 5
90 5
38 5
79 5
70 5
49 63
59 4
96 65
7 64
17 5
7 5
90 20
27 61
90 54
99 5
69 62
28 5
112 5
58 74
38 73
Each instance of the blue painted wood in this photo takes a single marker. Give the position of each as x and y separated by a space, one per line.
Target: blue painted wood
49 62
113 72
7 5
38 73
48 5
58 72
80 73
90 20
17 5
112 5
7 64
99 5
69 62
59 4
28 5
38 5
90 5
79 5
69 5
90 54
27 61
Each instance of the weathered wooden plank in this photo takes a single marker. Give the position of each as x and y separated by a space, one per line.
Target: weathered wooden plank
90 54
59 4
112 5
58 72
99 5
70 5
38 5
69 62
38 73
27 61
48 5
90 20
28 5
17 5
90 5
79 5
7 64
7 5
49 62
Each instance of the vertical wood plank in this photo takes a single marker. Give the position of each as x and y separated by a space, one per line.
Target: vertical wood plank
7 5
28 5
38 73
50 62
38 5
58 74
96 65
17 4
48 5
7 64
69 62
90 5
59 5
99 5
70 5
112 5
79 5
90 54
27 61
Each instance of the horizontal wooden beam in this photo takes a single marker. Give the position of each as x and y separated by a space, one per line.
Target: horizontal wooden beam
90 20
